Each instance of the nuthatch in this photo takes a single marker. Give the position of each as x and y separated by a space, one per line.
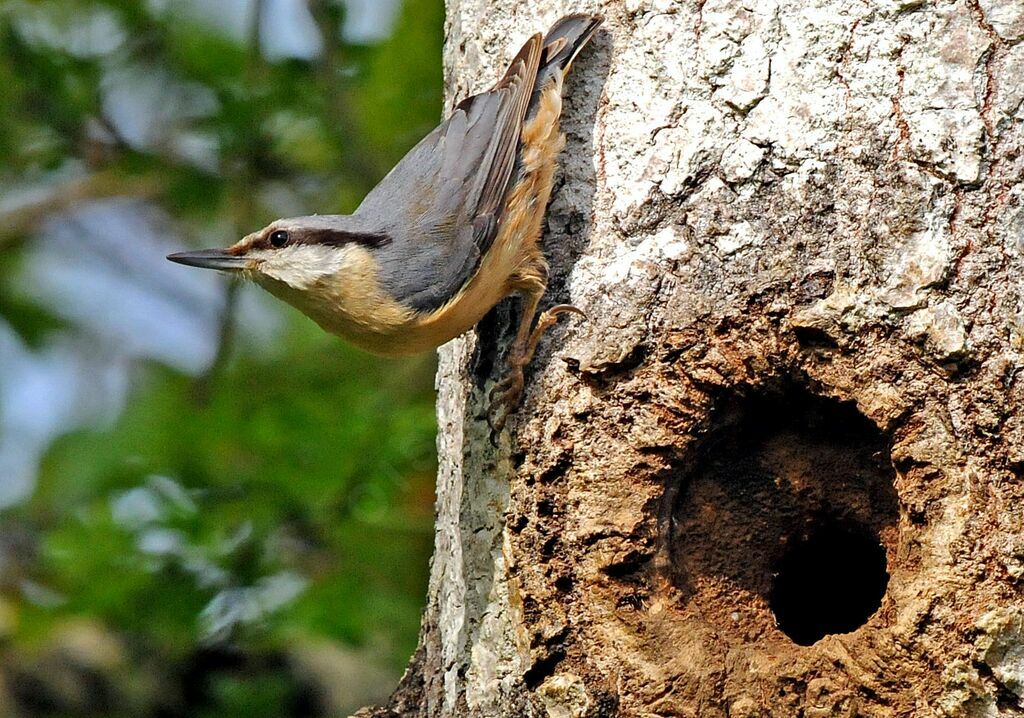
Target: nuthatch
447 234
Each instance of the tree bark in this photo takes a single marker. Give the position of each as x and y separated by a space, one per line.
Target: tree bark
778 472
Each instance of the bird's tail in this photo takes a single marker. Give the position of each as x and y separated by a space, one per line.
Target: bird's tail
564 41
561 45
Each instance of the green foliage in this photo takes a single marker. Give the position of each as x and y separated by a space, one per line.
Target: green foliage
297 453
404 73
285 498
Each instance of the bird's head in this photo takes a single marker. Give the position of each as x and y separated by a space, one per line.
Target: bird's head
327 266
297 253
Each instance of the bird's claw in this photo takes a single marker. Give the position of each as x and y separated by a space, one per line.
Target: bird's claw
505 395
565 309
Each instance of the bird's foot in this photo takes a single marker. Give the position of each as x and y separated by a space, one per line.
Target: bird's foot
505 395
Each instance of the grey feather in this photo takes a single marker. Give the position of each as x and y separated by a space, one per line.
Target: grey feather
562 44
442 202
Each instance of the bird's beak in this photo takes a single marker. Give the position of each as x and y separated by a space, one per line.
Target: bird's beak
211 259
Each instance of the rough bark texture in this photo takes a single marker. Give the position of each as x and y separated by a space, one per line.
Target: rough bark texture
797 227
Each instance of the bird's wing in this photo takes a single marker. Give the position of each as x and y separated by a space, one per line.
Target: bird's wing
443 201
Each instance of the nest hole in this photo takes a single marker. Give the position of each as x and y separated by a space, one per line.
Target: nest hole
783 519
830 581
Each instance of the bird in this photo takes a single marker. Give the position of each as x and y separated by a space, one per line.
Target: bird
449 232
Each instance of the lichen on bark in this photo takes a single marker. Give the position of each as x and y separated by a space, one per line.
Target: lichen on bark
806 203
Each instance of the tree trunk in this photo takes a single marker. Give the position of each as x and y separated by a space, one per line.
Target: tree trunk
778 472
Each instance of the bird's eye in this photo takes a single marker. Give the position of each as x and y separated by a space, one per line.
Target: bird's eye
279 238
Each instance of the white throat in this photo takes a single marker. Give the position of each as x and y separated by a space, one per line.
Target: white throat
301 266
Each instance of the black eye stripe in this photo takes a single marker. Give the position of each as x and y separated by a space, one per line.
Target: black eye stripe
337 237
326 237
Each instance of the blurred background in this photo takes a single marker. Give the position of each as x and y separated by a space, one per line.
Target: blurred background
209 508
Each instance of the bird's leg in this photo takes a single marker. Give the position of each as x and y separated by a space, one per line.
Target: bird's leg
506 393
